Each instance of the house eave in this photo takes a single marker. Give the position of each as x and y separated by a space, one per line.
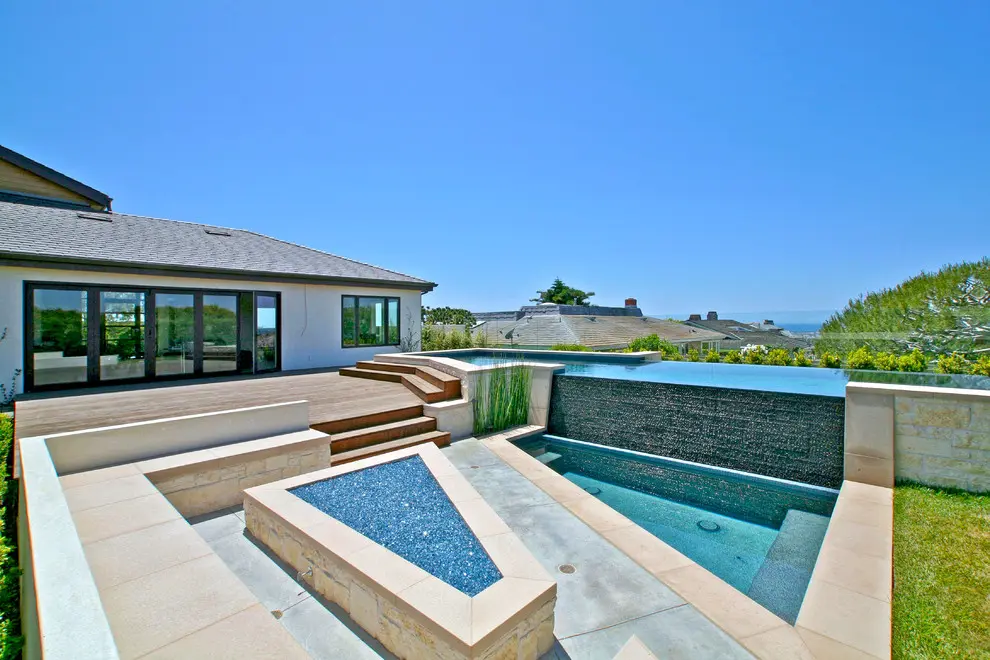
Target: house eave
133 268
54 176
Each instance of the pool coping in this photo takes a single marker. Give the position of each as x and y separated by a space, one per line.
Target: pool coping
846 611
467 624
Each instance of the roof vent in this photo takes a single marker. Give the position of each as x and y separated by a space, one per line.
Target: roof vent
217 232
102 217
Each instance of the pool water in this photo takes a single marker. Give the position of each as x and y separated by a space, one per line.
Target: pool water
792 380
401 506
760 535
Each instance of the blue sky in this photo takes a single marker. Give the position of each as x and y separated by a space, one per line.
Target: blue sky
696 155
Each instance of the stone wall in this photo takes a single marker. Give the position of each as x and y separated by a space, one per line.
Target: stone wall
943 440
789 436
205 486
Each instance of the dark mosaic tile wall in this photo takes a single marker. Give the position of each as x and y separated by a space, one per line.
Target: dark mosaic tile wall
742 498
789 436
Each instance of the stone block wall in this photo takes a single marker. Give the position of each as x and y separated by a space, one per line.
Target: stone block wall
789 436
943 440
206 486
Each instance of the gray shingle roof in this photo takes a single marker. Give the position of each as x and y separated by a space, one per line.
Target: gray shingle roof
591 331
69 235
742 334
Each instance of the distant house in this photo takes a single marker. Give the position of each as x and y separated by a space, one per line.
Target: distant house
738 334
94 297
600 328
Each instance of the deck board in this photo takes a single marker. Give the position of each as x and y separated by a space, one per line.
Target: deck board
330 395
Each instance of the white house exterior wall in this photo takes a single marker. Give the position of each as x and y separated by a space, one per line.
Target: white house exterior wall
310 313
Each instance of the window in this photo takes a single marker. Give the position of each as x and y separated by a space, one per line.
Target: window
369 321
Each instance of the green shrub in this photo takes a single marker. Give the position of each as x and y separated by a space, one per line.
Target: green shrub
10 619
569 347
981 367
829 360
885 361
952 364
501 398
713 356
673 357
913 361
734 357
801 360
754 355
860 358
653 343
778 357
693 355
435 338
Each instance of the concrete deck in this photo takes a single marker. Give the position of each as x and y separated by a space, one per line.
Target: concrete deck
330 397
600 606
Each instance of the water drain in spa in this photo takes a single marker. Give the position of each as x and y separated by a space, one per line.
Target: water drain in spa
708 525
566 568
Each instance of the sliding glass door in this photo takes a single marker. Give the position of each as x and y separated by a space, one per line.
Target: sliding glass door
175 334
91 334
266 333
59 340
219 333
121 335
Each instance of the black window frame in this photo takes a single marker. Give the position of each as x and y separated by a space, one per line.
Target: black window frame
150 328
385 320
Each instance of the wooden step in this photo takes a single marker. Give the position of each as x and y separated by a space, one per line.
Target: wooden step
387 366
451 385
424 389
348 440
372 374
364 421
439 438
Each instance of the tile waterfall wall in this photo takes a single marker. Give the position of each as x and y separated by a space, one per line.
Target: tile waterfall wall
789 436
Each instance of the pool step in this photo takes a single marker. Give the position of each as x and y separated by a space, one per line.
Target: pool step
428 384
547 457
358 438
356 422
439 438
783 578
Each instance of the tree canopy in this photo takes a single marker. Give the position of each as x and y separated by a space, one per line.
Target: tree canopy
447 316
937 312
561 294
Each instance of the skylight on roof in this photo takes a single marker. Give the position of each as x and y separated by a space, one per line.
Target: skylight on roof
102 217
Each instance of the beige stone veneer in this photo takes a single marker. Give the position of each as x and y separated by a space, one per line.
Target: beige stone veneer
412 613
933 435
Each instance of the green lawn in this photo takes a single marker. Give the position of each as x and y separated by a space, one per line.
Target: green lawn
941 573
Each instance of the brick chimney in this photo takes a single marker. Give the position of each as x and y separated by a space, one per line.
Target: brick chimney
631 302
712 316
694 317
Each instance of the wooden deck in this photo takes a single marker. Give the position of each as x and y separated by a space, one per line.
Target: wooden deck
331 397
